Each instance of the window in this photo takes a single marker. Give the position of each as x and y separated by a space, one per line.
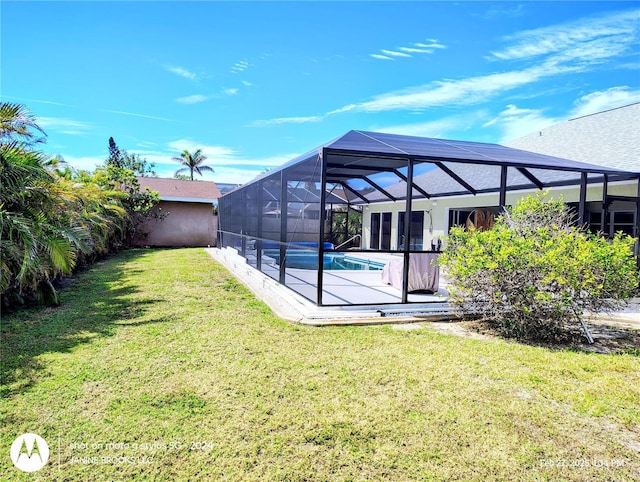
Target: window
416 230
380 237
385 239
458 217
480 217
374 240
622 221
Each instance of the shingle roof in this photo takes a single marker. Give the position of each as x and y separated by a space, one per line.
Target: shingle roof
610 138
179 190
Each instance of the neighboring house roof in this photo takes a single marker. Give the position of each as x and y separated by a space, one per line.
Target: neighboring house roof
226 187
183 191
610 138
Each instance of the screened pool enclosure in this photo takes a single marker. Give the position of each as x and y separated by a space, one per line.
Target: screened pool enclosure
301 223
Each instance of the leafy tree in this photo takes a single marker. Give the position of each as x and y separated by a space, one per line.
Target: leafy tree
115 157
343 225
121 159
192 163
182 177
535 273
120 173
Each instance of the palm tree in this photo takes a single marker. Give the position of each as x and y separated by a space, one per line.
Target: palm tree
192 162
18 124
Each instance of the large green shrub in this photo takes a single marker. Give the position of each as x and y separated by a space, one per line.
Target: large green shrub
535 273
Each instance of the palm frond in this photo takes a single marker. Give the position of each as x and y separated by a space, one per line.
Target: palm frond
17 121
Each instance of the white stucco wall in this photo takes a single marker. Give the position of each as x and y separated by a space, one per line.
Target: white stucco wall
440 212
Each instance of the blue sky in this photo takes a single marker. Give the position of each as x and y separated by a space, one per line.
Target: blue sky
253 84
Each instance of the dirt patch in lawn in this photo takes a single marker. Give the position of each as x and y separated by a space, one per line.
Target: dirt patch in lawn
610 335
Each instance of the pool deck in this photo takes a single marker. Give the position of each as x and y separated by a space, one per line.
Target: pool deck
368 300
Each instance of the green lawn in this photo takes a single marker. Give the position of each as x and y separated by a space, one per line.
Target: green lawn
169 369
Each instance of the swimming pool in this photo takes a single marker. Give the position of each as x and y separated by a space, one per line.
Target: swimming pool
304 259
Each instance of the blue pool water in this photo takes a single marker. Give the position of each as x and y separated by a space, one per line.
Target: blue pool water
303 259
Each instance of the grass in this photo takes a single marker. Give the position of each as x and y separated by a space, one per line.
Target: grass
160 366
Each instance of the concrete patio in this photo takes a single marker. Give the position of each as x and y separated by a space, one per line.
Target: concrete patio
371 300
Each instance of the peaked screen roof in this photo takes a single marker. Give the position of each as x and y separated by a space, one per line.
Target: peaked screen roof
425 148
457 167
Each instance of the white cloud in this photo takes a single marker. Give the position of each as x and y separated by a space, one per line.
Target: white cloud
441 128
448 92
394 53
146 145
134 114
192 99
618 28
210 151
433 44
182 72
64 125
504 11
603 100
568 48
246 84
38 101
240 66
287 120
515 122
85 163
415 48
230 91
380 57
229 165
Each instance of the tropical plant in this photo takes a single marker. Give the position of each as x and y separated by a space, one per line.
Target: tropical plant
51 217
35 245
536 272
192 163
17 124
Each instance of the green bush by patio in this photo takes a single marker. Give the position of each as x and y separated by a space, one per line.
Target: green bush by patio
535 273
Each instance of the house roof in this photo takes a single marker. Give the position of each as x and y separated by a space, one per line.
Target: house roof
179 190
610 138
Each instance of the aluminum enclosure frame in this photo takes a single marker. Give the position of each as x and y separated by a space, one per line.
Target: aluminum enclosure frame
340 172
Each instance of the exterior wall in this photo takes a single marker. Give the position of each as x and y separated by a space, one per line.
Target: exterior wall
440 212
187 224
